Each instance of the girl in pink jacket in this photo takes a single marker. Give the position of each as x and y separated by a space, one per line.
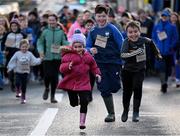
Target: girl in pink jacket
75 67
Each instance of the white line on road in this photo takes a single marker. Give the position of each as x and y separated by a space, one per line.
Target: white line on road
45 122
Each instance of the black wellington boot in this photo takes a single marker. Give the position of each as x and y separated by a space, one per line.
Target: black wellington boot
110 108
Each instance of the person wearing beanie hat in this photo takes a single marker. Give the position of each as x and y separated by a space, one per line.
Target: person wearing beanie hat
79 37
75 66
10 43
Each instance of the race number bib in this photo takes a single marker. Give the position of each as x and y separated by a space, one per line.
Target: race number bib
162 35
101 41
144 30
142 56
55 49
25 67
30 37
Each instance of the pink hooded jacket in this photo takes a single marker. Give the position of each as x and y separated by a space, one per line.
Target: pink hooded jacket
77 78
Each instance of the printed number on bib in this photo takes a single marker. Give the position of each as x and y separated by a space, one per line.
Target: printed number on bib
162 35
54 49
101 41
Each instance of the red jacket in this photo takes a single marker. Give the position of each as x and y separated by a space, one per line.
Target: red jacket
77 79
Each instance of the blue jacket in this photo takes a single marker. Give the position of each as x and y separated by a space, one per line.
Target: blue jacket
111 53
167 45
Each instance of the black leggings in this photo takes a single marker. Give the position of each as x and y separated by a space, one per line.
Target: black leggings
79 97
21 81
51 72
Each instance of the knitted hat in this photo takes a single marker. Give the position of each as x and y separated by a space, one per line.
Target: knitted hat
79 37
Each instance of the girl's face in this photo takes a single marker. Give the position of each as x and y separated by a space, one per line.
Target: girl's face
101 19
52 21
14 27
133 33
24 48
78 47
80 19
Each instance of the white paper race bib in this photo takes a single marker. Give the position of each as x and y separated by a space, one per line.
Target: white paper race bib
144 30
55 48
142 56
101 41
25 67
30 37
162 35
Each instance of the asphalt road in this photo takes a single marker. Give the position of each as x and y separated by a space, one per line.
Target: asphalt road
159 114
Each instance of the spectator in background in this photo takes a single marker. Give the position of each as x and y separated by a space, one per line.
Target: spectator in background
111 19
165 36
87 15
78 24
175 76
2 68
34 23
147 25
89 24
4 21
125 18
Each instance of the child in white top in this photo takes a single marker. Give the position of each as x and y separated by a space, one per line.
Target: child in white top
20 63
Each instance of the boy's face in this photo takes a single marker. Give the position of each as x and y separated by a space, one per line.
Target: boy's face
24 48
78 47
133 33
101 18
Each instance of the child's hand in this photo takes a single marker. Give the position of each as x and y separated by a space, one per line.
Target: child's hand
41 55
98 78
70 65
93 51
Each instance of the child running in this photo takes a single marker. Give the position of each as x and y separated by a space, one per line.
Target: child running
134 55
20 63
75 67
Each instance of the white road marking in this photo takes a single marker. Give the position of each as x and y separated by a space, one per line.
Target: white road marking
45 122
